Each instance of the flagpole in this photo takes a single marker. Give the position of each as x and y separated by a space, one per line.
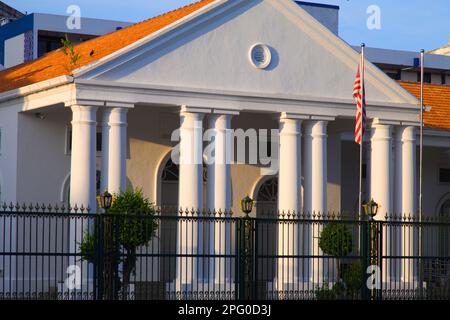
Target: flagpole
362 133
422 63
422 60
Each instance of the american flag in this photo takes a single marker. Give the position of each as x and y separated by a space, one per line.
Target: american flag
360 98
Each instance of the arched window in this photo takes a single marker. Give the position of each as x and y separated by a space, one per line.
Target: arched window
268 192
170 176
444 211
171 172
267 197
66 187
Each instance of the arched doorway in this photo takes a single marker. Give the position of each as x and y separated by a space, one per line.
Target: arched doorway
168 177
444 232
266 196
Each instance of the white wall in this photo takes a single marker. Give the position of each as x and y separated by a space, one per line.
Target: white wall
43 163
8 152
433 192
14 51
409 76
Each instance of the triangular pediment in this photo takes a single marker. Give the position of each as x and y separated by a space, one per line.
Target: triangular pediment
211 52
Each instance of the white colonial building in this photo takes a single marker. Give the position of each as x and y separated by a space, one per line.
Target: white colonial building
105 121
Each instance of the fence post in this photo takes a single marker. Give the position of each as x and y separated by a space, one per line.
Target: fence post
98 257
240 258
379 253
365 248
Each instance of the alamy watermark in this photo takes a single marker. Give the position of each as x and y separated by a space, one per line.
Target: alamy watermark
253 147
374 19
73 22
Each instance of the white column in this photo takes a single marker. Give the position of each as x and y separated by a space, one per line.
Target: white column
82 176
189 232
315 192
83 164
105 150
315 199
191 161
380 187
405 199
219 168
289 204
117 147
219 200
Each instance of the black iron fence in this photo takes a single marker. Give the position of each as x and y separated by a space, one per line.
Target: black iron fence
49 253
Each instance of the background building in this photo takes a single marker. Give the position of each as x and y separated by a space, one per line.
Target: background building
27 37
8 14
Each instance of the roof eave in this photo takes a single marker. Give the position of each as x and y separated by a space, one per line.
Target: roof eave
35 87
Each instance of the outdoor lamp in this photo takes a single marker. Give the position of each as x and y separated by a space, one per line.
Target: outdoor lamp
104 200
247 205
371 208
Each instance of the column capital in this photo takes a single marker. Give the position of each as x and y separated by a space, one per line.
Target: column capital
229 112
316 128
293 116
194 110
99 103
84 114
381 132
406 133
118 117
83 107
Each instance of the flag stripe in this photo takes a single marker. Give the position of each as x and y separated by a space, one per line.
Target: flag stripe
360 99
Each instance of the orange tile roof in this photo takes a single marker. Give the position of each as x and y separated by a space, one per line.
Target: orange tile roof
437 97
56 63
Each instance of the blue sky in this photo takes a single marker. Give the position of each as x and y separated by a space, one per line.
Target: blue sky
405 24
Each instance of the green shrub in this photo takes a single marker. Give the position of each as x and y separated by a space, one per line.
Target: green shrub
353 276
336 292
336 240
128 224
137 226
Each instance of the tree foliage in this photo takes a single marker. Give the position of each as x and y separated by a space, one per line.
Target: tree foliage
336 240
127 225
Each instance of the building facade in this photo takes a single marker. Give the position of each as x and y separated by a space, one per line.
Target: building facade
245 67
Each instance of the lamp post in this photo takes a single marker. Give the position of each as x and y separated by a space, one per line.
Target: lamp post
247 205
104 201
246 250
371 210
107 267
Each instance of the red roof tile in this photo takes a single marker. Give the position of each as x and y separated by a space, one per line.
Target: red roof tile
437 97
56 63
